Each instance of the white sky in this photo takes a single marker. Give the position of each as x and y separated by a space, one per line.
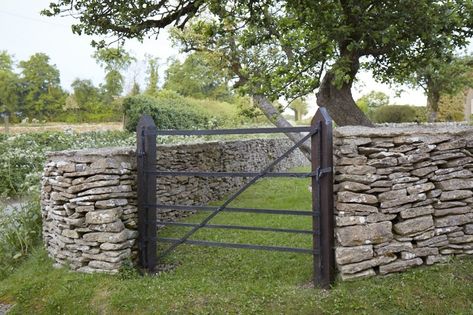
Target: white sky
23 32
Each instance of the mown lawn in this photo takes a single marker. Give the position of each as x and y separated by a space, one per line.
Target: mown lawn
234 281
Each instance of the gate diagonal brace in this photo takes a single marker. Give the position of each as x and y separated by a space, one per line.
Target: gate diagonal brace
266 170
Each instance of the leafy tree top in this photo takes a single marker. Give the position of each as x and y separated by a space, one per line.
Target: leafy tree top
6 61
38 73
308 36
284 48
373 99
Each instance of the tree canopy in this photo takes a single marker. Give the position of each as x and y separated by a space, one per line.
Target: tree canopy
152 75
293 47
300 108
42 93
198 77
445 76
113 60
9 84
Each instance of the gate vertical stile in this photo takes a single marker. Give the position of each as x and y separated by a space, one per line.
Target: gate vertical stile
322 200
146 191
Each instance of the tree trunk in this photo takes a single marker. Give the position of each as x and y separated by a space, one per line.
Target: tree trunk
339 103
433 100
276 118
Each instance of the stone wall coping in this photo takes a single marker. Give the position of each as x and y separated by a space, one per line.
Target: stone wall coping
391 131
126 151
101 152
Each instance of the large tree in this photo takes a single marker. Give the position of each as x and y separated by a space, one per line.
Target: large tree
300 108
152 75
197 76
442 77
9 85
289 48
87 97
114 61
42 95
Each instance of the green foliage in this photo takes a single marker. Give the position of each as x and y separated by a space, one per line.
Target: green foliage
282 48
451 107
113 60
370 102
87 103
373 100
422 113
42 93
153 78
6 61
23 156
35 93
9 93
445 76
246 108
20 231
9 86
168 113
135 89
398 114
198 77
300 108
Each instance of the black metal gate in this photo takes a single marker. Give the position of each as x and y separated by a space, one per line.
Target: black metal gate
320 135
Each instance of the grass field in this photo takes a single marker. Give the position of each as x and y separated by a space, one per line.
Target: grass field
231 281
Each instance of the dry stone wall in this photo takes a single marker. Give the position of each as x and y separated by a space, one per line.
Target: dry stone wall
89 196
403 197
88 205
229 156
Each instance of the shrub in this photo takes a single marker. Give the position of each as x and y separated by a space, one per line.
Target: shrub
398 114
20 230
168 113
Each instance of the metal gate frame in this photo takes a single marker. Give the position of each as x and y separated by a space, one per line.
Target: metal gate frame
320 134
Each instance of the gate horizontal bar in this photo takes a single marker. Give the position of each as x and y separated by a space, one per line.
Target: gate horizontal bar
233 131
238 227
229 174
249 210
233 245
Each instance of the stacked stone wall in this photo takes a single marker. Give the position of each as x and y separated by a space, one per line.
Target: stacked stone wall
403 197
89 196
88 206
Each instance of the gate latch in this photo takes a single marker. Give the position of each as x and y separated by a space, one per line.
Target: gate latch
322 171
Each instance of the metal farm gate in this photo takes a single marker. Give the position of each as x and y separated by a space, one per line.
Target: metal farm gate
320 135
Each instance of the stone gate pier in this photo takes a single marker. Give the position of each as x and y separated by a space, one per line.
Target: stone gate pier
89 208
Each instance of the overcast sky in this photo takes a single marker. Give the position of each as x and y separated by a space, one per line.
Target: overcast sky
23 32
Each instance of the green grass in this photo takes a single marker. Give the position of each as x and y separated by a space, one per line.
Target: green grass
232 281
215 108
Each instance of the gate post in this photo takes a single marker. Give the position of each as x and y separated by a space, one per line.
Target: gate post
146 182
322 200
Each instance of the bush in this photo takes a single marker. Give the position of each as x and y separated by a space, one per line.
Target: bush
168 113
398 114
20 230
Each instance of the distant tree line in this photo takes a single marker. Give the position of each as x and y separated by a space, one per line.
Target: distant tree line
31 88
